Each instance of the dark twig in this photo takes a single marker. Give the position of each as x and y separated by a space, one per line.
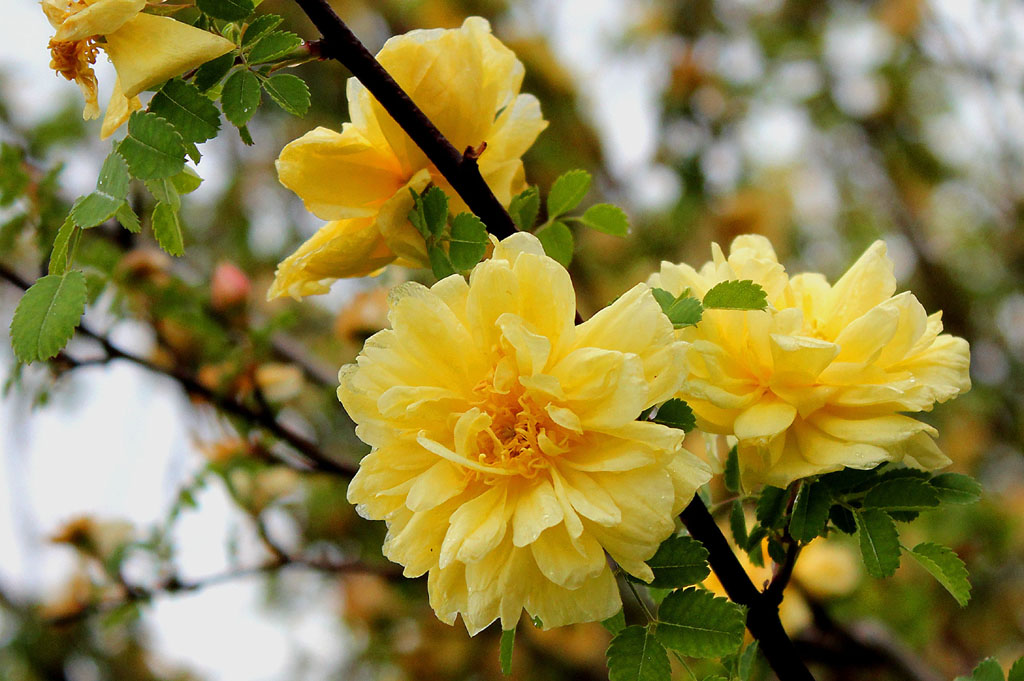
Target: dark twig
762 610
459 168
313 455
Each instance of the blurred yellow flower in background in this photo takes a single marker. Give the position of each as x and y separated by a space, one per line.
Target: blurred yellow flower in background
467 83
819 380
506 456
145 50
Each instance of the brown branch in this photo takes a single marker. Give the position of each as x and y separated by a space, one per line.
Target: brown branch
459 168
762 610
313 456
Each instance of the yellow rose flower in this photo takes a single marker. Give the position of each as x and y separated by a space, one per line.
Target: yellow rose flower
506 460
145 50
467 83
822 378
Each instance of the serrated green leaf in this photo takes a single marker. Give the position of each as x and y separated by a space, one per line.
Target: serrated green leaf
771 506
682 310
210 73
557 242
167 229
62 253
745 665
954 488
272 46
902 494
810 511
732 479
607 218
843 519
468 241
164 192
567 192
676 414
114 178
191 112
679 561
615 623
849 479
987 670
736 295
47 315
1016 672
697 624
508 642
416 215
240 97
435 210
753 547
289 92
635 654
94 209
128 219
259 27
879 542
440 263
738 523
243 132
228 10
152 148
524 208
187 181
946 567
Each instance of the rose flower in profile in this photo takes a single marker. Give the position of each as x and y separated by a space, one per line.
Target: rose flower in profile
506 457
467 83
823 378
145 49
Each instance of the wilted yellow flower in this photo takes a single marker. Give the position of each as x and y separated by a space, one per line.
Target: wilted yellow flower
506 456
145 50
822 378
467 83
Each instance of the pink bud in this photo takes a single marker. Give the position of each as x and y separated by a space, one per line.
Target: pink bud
229 286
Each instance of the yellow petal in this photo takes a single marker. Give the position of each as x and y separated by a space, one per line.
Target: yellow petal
764 419
118 110
343 248
566 561
148 50
537 510
98 19
868 282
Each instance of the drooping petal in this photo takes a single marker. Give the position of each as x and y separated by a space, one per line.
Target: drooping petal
98 19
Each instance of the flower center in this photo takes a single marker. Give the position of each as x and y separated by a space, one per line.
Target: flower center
73 59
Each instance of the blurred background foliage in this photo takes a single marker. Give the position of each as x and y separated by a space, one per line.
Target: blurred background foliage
822 125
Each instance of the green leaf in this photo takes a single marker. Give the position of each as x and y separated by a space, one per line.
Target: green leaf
810 511
210 73
468 241
243 132
946 567
843 519
679 561
635 654
152 148
440 263
187 181
1016 671
902 494
615 623
272 46
745 666
557 242
771 506
508 642
47 315
289 92
738 523
753 546
567 192
94 209
191 112
435 210
240 96
524 208
128 219
987 670
733 482
697 624
260 26
676 414
736 295
167 229
228 10
114 178
681 311
879 542
164 192
62 253
954 488
849 479
607 218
